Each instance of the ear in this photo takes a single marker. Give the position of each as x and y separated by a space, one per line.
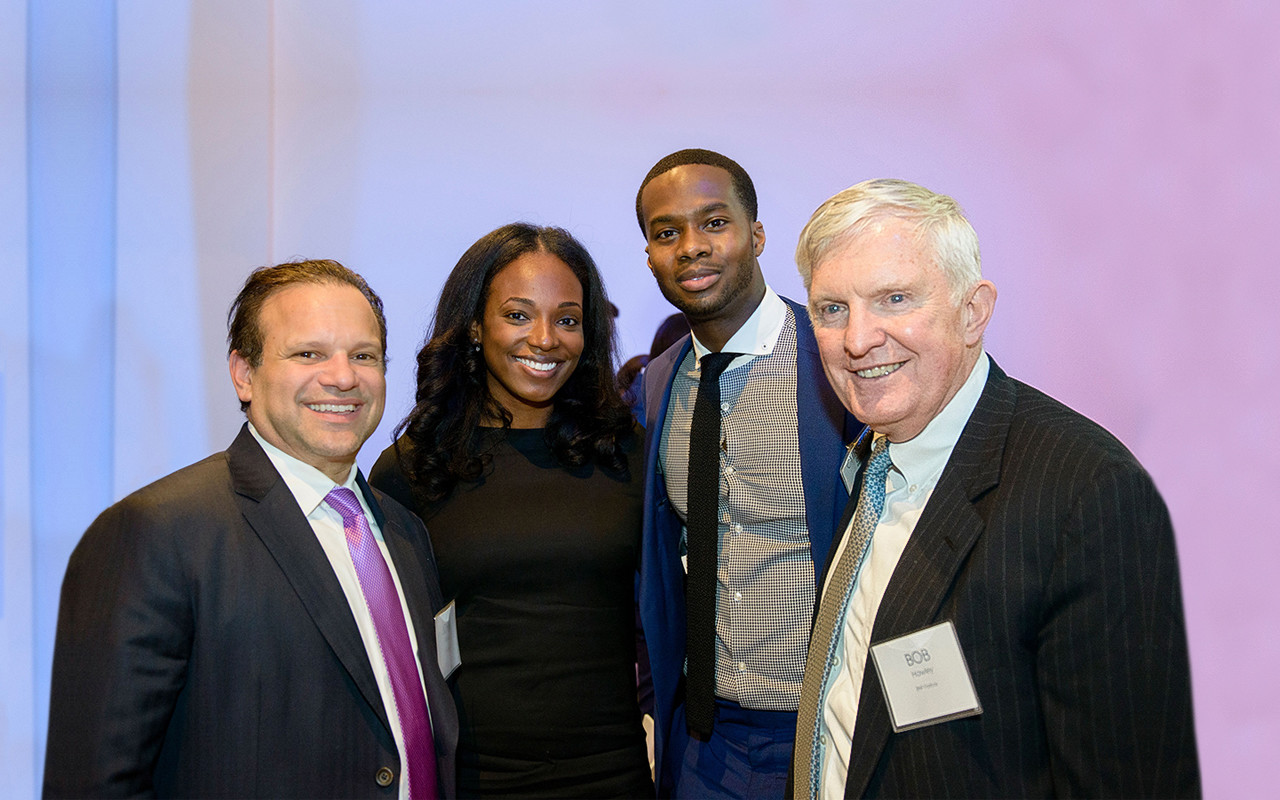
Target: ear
757 235
648 259
241 376
475 331
978 309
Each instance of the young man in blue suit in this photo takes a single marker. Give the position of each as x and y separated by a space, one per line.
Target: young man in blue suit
1002 614
726 607
260 624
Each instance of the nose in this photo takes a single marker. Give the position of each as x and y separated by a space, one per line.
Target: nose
863 333
694 244
338 373
543 334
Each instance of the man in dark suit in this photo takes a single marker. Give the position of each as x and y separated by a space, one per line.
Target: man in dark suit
260 624
771 489
1002 616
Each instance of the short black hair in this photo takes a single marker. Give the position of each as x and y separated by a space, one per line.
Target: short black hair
742 185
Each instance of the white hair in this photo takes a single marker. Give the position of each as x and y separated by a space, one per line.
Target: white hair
939 222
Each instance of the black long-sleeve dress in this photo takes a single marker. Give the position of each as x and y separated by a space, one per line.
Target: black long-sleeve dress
540 560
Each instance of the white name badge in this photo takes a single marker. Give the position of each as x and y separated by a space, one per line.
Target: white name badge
925 678
447 640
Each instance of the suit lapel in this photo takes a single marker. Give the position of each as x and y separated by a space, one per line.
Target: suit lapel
273 513
661 592
943 537
658 397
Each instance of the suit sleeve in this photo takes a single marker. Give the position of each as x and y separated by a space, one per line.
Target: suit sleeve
123 641
1112 663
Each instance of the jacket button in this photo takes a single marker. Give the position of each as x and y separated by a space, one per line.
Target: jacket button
385 776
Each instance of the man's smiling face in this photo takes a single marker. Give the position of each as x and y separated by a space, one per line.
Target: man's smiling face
702 244
320 389
895 344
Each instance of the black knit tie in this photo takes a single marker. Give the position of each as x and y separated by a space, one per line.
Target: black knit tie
702 545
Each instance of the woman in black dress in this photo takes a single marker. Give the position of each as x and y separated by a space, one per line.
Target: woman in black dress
526 467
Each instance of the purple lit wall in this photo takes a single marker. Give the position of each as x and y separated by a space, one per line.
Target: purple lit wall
1118 159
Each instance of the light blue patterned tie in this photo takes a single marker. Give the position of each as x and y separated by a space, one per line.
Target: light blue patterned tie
831 613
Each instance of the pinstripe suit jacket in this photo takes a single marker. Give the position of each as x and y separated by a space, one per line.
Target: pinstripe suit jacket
1048 546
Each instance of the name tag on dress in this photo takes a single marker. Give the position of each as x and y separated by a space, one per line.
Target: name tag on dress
925 678
447 640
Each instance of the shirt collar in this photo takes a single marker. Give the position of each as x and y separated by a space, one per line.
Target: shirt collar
308 485
757 336
921 459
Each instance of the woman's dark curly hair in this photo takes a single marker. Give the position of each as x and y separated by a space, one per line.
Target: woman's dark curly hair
589 421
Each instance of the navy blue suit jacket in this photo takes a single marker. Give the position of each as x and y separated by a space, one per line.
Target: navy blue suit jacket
824 428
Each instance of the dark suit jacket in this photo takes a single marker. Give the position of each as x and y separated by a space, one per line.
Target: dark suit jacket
824 428
1048 546
205 647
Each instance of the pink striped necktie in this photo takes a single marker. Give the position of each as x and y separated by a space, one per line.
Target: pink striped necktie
383 602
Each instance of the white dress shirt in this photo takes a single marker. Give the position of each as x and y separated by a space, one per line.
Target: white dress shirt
758 334
309 487
917 465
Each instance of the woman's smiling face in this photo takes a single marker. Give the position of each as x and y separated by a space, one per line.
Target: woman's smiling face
531 335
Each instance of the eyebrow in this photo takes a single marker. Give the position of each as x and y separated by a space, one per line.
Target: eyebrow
718 205
526 301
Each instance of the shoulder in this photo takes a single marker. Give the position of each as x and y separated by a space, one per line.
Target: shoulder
801 313
387 474
657 379
389 479
806 342
1055 456
151 521
394 509
193 489
797 308
1043 425
661 366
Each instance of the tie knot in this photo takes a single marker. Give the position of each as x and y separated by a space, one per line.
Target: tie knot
879 462
713 365
345 502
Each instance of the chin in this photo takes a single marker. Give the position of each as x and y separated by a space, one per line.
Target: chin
878 419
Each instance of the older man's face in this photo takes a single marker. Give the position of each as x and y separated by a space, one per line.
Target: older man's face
894 345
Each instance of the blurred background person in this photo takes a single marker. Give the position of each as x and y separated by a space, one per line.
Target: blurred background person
670 331
524 462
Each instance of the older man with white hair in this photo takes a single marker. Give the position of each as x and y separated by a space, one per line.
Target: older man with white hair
1002 614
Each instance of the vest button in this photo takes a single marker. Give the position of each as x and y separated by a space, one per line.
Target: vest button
385 776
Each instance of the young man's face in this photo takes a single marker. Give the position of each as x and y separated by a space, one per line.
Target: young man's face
702 246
